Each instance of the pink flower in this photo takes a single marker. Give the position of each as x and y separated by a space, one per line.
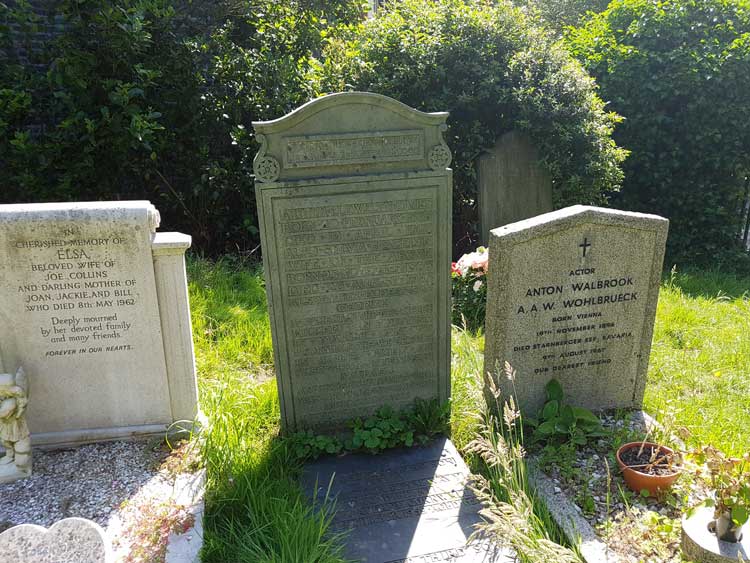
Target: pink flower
473 261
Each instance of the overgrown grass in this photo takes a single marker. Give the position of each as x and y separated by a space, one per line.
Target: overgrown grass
512 502
699 371
230 318
255 508
699 375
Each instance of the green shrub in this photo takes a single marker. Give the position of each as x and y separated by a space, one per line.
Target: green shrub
128 103
494 70
559 14
679 71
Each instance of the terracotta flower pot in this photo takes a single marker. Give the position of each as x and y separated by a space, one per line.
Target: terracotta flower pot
638 481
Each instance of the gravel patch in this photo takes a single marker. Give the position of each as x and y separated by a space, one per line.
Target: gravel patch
89 482
637 529
128 488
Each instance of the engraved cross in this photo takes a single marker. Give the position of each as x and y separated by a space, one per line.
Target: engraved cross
585 245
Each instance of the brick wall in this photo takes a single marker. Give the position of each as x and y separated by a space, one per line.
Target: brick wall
28 46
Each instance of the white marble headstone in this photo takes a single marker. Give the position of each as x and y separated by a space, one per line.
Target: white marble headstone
81 308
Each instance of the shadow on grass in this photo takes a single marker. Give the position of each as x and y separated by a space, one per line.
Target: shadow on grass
708 284
255 508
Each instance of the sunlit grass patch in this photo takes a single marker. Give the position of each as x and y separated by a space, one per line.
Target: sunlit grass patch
699 371
255 508
699 375
231 329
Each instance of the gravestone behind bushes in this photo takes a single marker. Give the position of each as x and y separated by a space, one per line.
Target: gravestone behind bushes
513 185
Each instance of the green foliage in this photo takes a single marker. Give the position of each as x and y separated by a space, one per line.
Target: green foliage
135 100
307 445
495 71
730 481
559 14
386 429
700 358
469 302
679 72
559 422
429 418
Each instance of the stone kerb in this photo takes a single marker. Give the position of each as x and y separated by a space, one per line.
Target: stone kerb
354 205
572 295
91 300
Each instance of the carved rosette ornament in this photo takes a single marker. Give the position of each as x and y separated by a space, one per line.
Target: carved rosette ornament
266 168
439 157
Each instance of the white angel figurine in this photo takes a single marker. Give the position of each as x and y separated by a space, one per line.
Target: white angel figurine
14 433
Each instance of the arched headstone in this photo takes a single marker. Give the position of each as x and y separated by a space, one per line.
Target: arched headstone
513 185
354 201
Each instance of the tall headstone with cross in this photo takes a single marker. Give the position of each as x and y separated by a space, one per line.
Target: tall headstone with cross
572 296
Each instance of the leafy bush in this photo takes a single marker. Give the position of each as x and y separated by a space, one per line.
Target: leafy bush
494 70
679 71
562 423
562 13
128 103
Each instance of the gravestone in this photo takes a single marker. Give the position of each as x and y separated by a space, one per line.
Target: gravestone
572 296
513 184
73 540
403 506
354 201
94 306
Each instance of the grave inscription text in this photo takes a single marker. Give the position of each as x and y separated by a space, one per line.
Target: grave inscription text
360 279
78 292
354 201
572 296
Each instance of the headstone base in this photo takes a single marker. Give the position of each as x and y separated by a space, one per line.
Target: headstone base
10 473
404 506
702 546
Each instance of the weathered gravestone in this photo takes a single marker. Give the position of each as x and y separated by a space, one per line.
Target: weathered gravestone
73 540
572 295
354 200
403 506
94 306
513 184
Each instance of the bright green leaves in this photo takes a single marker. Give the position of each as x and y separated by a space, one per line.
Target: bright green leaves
386 429
551 409
563 423
740 515
677 70
554 390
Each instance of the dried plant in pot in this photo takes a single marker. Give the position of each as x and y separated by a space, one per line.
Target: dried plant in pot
649 467
730 480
